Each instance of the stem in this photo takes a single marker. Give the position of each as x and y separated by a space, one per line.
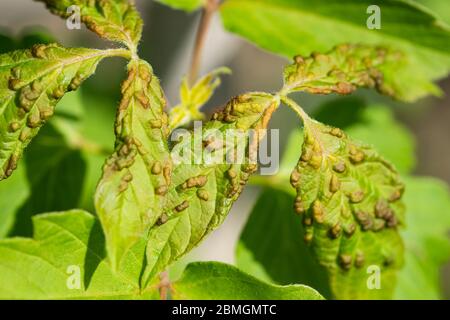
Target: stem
124 53
205 21
299 110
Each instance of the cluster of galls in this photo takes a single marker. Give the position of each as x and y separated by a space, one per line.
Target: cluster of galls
314 162
341 71
238 179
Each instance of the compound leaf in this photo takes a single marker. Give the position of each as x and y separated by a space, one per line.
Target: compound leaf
64 260
131 194
290 27
116 20
214 280
346 68
349 199
31 84
208 177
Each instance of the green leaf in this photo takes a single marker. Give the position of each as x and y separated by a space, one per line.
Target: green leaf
202 192
186 5
349 199
13 193
346 68
426 238
116 20
272 239
214 280
131 195
438 7
291 27
374 124
31 84
192 99
46 266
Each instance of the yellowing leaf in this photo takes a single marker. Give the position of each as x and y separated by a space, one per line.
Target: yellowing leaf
116 20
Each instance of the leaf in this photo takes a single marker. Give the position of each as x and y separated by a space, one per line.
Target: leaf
219 281
439 8
131 195
115 20
291 27
346 68
186 5
203 190
271 237
13 193
426 237
192 99
46 266
245 261
349 198
31 84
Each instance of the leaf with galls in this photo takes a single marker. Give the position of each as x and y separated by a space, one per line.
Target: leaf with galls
31 84
349 200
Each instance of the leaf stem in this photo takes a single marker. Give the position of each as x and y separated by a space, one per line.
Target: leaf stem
210 8
297 109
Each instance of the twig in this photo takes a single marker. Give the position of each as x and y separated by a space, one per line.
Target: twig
210 8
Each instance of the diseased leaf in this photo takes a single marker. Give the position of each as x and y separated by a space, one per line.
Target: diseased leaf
31 84
187 5
349 199
203 191
116 20
214 280
346 68
302 28
65 245
427 240
132 192
192 99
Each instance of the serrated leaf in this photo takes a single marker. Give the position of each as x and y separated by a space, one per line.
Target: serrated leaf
132 192
349 198
427 240
192 99
31 84
116 20
302 28
202 193
186 5
47 266
214 280
346 68
271 237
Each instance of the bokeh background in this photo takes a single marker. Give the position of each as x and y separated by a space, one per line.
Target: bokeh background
167 44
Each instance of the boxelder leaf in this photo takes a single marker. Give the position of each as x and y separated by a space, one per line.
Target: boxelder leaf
349 200
427 241
192 99
132 192
346 68
64 260
291 27
214 280
31 84
186 5
116 20
202 192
